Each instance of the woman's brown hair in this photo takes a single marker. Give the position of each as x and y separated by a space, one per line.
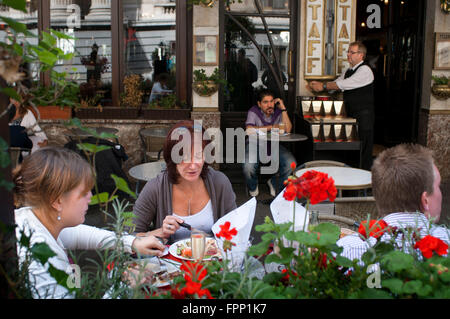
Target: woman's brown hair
47 174
171 141
400 175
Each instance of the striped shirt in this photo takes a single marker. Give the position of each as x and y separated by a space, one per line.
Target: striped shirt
355 247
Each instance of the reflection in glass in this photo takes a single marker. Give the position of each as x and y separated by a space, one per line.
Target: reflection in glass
150 47
89 23
245 67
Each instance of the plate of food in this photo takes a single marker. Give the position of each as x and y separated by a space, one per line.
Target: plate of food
150 272
182 249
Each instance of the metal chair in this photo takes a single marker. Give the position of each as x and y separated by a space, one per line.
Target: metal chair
146 172
356 208
320 163
15 153
153 139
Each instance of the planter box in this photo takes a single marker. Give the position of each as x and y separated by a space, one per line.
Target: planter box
107 112
54 112
166 114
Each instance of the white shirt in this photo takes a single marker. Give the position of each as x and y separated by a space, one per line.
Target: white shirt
355 247
362 77
202 220
157 91
79 237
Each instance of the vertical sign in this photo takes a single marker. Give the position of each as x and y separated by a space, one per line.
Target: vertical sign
344 33
314 37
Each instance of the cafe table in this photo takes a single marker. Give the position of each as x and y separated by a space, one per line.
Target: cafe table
345 178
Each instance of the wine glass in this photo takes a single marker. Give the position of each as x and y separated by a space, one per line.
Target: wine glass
198 244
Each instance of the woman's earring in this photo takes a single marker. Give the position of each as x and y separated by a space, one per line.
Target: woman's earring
59 217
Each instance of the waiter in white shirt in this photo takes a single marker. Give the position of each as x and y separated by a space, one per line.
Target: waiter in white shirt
357 83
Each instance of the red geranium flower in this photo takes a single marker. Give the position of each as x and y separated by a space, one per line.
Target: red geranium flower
193 271
375 227
428 244
226 232
313 185
290 193
293 166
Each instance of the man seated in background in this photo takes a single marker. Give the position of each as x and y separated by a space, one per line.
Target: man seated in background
406 187
267 115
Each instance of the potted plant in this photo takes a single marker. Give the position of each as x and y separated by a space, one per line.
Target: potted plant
205 85
166 108
440 88
56 101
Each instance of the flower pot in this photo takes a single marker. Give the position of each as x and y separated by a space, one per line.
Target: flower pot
440 92
205 88
166 114
52 112
112 112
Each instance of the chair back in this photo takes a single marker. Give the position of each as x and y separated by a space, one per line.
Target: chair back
153 139
14 153
356 208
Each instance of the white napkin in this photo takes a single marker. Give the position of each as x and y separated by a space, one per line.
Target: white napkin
242 219
282 212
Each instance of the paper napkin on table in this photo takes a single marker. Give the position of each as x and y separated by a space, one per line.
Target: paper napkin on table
282 212
240 218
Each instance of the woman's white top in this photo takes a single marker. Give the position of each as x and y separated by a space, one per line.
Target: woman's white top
158 90
79 237
34 131
202 220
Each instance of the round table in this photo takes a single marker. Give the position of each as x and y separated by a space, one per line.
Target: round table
147 171
286 137
344 177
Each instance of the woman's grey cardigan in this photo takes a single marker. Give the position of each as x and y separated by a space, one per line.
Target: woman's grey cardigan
155 201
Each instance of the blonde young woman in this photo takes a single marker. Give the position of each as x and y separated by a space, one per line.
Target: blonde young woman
53 188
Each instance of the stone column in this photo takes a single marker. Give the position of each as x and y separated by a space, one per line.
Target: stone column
100 10
206 23
58 9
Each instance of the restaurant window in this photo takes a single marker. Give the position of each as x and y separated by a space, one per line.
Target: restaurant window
150 35
89 23
30 19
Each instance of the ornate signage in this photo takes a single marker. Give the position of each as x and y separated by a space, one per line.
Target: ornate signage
329 31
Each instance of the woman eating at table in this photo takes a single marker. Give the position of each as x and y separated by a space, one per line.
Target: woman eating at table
187 191
53 188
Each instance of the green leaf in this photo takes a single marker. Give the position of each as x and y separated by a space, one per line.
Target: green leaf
11 93
101 198
60 276
343 261
42 252
13 24
396 261
258 249
373 293
92 148
395 285
20 5
122 185
412 287
61 35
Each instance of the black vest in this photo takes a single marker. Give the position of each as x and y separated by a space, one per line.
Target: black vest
360 99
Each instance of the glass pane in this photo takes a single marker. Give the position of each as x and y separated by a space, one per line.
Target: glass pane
247 74
150 34
30 19
89 22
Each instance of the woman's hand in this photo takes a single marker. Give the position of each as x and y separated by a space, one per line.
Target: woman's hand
148 245
170 225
